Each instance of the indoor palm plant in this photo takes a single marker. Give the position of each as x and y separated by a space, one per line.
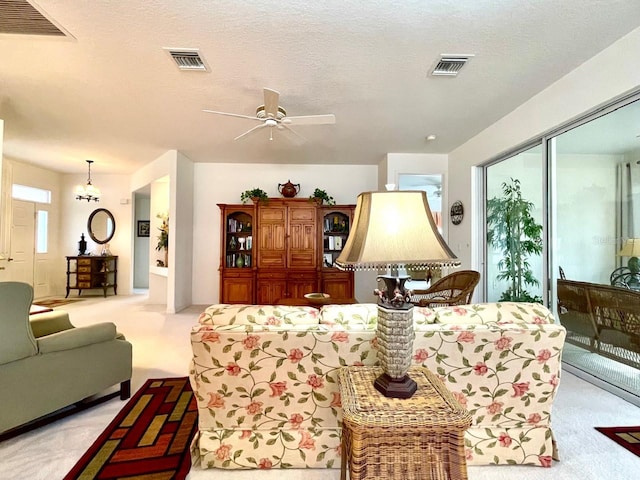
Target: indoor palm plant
513 231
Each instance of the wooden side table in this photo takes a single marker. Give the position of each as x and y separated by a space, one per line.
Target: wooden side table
418 438
92 271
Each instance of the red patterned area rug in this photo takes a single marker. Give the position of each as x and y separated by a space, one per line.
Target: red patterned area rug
148 439
56 302
628 437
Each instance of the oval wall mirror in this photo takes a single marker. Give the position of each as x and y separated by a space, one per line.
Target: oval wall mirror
101 226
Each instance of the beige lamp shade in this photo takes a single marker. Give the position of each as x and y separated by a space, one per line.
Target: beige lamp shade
392 229
631 248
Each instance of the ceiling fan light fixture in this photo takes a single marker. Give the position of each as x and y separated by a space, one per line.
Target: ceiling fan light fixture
271 114
260 113
88 192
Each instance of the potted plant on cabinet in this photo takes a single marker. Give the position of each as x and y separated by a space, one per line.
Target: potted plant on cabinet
321 197
512 229
255 194
163 237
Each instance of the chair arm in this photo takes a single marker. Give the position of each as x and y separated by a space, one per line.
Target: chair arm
77 337
49 322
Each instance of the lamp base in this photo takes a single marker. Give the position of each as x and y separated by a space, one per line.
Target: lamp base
392 388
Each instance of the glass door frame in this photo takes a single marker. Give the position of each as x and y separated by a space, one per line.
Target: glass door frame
550 272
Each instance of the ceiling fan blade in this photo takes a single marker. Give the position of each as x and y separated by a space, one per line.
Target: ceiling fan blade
271 98
232 115
292 135
311 120
257 127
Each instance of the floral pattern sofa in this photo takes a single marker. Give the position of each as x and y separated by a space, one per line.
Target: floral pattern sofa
265 378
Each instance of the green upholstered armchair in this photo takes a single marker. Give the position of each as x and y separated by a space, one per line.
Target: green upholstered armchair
46 364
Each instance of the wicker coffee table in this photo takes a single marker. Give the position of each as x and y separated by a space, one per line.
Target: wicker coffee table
418 438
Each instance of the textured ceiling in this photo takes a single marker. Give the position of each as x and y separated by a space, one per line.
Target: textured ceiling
110 92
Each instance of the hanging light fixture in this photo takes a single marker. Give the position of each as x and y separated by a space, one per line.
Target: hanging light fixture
88 192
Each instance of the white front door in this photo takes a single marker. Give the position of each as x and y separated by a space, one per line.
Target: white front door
22 241
29 263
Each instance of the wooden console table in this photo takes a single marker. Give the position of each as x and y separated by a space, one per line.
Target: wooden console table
86 272
417 438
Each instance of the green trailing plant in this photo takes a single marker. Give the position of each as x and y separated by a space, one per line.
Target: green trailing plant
163 238
254 193
322 197
513 231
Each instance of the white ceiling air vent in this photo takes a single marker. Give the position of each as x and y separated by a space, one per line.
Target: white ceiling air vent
188 59
450 65
19 17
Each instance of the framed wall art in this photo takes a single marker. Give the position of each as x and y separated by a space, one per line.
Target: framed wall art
143 228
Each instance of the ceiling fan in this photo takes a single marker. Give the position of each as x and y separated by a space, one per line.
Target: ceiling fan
272 115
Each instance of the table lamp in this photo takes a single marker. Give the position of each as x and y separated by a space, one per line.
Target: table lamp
390 230
631 248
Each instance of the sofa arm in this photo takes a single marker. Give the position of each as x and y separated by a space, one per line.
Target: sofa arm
77 337
49 322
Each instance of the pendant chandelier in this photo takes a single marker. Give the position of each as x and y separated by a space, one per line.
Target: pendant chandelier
88 192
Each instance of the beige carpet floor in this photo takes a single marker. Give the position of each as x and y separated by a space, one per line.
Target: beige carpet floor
161 349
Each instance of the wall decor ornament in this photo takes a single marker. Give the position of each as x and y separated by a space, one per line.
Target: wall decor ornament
143 228
82 245
289 190
457 212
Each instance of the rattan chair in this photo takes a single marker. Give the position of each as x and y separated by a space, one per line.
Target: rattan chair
454 289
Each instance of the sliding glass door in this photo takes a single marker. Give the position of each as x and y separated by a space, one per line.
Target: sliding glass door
514 217
583 186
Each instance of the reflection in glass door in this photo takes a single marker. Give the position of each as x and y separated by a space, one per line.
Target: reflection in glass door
514 217
596 222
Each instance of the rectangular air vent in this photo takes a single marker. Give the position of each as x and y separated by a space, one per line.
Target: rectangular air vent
19 17
450 65
188 59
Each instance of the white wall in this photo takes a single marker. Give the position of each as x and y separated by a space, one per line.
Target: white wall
182 239
141 245
75 215
598 80
159 205
224 182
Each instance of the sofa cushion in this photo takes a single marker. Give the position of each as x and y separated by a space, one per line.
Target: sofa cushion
423 315
494 314
224 314
365 315
349 317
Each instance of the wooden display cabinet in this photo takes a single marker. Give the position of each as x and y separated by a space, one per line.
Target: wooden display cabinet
336 223
287 249
237 278
283 252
